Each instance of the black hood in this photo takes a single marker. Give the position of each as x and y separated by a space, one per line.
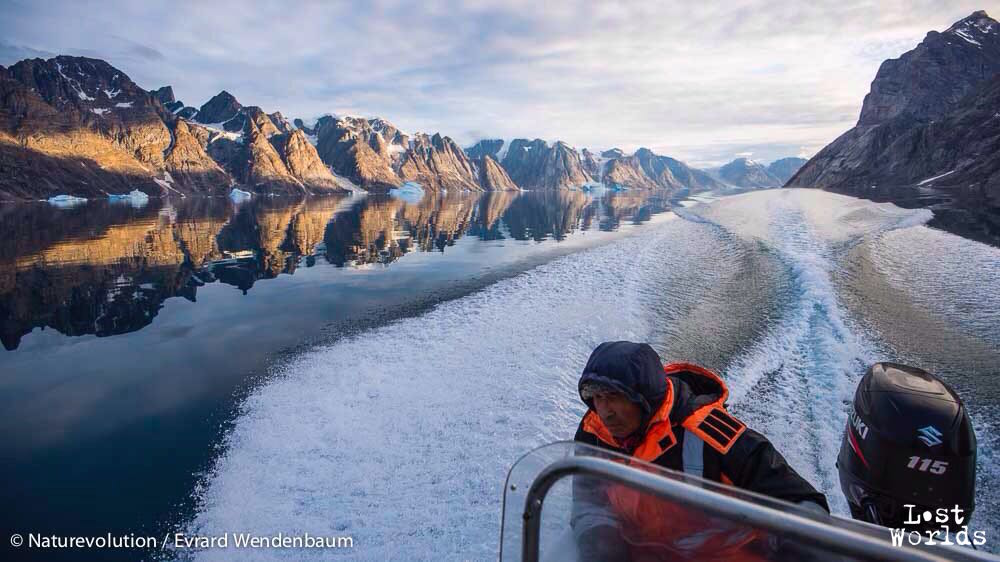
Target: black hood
634 369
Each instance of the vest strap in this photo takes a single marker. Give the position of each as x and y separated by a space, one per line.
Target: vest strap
693 455
715 426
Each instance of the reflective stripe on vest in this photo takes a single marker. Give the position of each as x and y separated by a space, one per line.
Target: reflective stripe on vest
693 454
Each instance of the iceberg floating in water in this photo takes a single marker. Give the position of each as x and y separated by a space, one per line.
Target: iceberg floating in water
411 192
135 198
66 201
240 195
593 188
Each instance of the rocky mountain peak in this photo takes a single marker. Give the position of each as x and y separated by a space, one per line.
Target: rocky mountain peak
977 23
746 173
437 163
929 119
485 147
390 133
785 168
493 177
165 94
613 153
260 119
590 163
221 108
79 82
304 163
932 79
536 165
281 122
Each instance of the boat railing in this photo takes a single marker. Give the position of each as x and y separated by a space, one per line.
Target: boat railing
541 517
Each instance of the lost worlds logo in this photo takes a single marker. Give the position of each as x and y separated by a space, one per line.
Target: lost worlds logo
953 529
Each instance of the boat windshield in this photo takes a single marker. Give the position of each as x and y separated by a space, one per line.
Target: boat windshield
568 502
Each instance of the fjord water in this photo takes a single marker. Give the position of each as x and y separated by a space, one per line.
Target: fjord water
131 334
382 393
400 435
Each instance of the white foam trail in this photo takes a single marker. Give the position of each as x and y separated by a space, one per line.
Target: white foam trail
401 437
792 385
795 384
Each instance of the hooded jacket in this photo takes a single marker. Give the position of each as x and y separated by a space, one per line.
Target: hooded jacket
685 427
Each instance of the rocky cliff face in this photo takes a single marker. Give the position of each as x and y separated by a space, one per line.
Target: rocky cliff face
165 95
263 168
627 172
785 168
356 151
590 163
77 123
303 162
900 139
536 165
105 99
189 164
485 147
691 178
657 168
492 176
437 163
931 79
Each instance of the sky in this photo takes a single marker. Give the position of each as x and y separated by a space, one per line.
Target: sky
702 81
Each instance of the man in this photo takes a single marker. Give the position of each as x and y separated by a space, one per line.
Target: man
673 416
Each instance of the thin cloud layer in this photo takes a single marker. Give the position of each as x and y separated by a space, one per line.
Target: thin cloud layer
698 81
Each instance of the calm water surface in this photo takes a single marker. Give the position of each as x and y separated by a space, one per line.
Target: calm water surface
131 334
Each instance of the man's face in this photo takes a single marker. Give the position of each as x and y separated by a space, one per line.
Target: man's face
620 415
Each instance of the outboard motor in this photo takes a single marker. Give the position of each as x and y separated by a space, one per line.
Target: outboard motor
908 442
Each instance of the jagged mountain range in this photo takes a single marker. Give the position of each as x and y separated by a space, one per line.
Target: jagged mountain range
930 122
79 126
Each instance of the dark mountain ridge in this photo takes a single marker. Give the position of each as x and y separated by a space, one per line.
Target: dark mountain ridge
929 129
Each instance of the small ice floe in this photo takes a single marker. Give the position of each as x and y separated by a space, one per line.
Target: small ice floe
239 196
66 201
929 180
135 198
411 192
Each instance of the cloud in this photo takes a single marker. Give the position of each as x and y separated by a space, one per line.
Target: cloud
696 79
140 50
9 54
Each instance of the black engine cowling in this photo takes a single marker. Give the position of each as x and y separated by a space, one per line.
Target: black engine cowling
908 442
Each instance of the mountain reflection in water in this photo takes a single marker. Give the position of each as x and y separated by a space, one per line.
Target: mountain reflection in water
106 269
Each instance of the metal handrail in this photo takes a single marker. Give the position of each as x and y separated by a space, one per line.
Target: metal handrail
809 531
